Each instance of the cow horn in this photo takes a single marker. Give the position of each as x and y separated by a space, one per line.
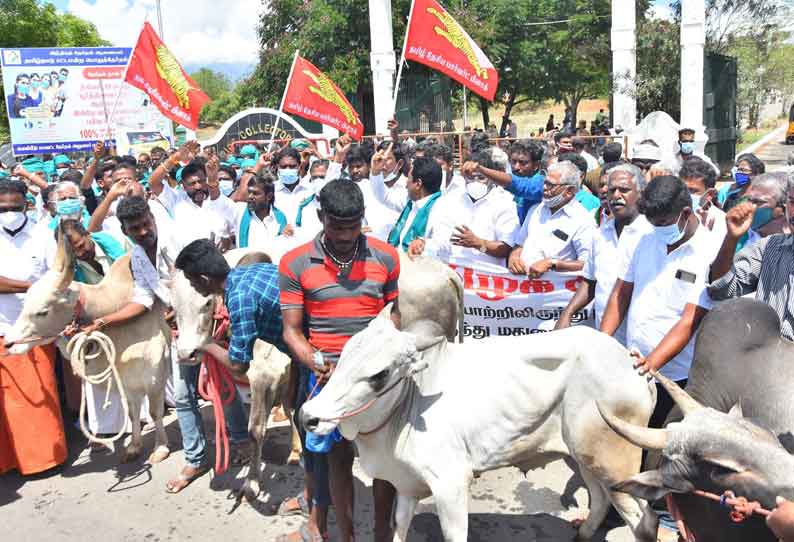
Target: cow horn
644 437
64 261
684 401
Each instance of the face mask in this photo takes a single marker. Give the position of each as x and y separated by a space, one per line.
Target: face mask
762 217
34 84
740 178
45 84
12 220
69 207
565 149
62 78
23 89
476 190
669 235
226 187
392 176
443 177
288 176
687 147
32 216
695 201
554 201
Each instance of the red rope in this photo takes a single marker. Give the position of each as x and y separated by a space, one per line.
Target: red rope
217 386
740 509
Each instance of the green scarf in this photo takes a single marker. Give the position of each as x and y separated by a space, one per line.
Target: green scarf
417 229
112 249
301 207
245 225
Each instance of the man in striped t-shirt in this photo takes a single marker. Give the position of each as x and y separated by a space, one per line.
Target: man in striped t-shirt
333 287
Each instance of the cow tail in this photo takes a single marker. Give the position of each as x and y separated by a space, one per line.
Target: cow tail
457 283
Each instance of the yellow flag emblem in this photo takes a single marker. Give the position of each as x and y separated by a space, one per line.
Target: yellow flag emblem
326 90
171 73
455 35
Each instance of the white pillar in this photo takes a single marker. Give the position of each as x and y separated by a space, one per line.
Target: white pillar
624 64
693 39
382 62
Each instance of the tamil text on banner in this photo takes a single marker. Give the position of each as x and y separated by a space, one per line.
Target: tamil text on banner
154 70
60 100
312 95
500 304
436 40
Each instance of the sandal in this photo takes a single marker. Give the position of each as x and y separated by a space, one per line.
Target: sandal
183 480
286 508
302 535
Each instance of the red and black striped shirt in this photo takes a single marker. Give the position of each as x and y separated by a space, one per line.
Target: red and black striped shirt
337 306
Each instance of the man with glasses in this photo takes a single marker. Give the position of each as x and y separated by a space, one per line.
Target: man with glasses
526 180
557 234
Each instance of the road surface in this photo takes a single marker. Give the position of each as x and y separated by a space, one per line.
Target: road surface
775 153
91 498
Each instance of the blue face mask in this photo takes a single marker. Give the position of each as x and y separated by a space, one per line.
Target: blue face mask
288 176
23 89
33 216
695 201
45 83
762 217
226 187
740 178
62 78
669 235
69 207
687 147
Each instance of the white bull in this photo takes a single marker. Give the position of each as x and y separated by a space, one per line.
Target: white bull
440 413
142 344
429 290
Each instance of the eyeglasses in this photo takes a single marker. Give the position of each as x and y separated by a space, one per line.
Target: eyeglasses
550 185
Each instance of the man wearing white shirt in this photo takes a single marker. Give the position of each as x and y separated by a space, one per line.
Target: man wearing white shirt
475 224
701 179
193 219
414 231
615 237
259 223
661 287
290 190
451 181
557 233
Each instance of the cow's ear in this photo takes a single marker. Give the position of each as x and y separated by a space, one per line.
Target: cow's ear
646 485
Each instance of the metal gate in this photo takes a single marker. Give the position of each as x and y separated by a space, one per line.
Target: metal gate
719 108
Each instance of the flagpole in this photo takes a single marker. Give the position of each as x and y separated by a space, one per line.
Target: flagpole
283 97
121 86
402 60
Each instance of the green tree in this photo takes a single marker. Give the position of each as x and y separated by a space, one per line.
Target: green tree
213 83
29 23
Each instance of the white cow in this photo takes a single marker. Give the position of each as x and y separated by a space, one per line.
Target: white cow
440 413
142 344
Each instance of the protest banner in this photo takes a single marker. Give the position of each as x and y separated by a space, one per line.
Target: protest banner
434 38
60 100
500 304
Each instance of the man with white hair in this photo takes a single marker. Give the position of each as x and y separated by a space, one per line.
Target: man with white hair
556 234
767 193
615 238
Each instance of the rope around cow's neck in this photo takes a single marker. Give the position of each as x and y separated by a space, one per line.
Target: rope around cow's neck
78 354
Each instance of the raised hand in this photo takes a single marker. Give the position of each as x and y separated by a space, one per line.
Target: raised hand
739 219
379 160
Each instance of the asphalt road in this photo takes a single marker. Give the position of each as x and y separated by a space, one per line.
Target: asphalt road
775 154
93 498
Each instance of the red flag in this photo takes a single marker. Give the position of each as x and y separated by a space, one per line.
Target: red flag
154 70
436 40
312 95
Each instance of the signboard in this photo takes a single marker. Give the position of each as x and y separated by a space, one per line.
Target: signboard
500 304
256 124
60 100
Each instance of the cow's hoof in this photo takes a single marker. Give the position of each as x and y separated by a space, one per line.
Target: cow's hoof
130 455
250 490
160 454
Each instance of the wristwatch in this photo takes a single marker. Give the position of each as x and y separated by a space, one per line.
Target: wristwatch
101 323
483 247
554 264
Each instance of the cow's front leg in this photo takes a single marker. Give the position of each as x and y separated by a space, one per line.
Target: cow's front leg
403 514
262 398
452 503
133 449
156 411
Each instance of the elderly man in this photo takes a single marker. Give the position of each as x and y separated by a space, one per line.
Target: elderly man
768 193
31 429
556 234
764 267
615 238
661 287
476 224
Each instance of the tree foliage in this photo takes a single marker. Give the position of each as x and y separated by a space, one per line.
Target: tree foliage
215 84
29 23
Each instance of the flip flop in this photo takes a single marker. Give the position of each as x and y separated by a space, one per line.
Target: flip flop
182 477
302 535
303 507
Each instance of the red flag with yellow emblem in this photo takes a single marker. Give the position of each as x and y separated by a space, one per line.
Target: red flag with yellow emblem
154 70
436 40
312 95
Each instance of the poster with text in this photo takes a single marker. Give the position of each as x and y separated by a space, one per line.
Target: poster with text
500 304
65 99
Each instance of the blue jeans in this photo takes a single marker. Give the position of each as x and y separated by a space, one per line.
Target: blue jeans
194 441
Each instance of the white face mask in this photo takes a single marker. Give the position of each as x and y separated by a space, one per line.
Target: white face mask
12 220
554 201
477 190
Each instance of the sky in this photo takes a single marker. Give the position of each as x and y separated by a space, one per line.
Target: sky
199 32
221 35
